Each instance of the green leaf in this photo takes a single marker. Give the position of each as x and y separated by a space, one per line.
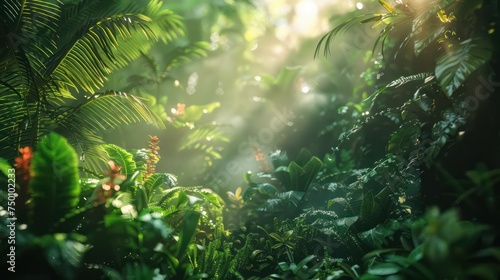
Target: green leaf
211 197
122 158
194 113
303 262
188 229
267 189
405 137
373 210
387 6
54 187
103 44
295 197
5 166
63 252
456 65
295 173
367 207
483 271
156 182
311 168
330 36
140 271
384 269
416 254
140 199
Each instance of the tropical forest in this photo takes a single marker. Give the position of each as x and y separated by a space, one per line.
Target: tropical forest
249 139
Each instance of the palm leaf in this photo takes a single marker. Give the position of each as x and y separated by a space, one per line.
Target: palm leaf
187 53
26 23
108 110
106 44
82 124
12 114
330 36
91 54
55 185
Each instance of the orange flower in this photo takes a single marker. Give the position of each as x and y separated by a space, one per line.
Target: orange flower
180 109
110 187
23 163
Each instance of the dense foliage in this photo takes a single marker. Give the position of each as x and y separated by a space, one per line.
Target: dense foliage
392 175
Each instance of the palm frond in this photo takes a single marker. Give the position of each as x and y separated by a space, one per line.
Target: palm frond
330 36
187 53
168 25
110 110
83 124
98 48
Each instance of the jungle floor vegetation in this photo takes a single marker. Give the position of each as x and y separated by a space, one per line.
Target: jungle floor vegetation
395 176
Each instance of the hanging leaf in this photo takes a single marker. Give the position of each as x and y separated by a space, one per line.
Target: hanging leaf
456 65
54 187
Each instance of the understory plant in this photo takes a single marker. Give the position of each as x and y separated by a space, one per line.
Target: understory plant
128 223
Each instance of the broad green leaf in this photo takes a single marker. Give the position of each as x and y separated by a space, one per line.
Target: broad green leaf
311 168
400 260
384 269
188 229
140 199
63 252
54 187
304 261
211 197
267 189
296 172
279 159
417 254
303 157
295 197
249 193
456 65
